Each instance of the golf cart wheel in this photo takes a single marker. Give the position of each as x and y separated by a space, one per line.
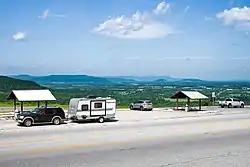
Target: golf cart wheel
141 108
131 107
101 120
242 106
229 105
27 122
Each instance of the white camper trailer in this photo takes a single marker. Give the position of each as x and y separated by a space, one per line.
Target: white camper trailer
92 108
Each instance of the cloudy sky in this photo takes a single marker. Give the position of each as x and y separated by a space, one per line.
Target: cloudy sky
207 39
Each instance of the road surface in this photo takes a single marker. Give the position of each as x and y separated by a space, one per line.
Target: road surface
213 141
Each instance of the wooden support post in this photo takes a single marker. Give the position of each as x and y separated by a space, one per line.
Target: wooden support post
199 104
14 104
21 106
188 103
46 104
177 103
38 104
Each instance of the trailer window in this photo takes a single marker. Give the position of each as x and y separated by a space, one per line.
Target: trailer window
98 105
85 107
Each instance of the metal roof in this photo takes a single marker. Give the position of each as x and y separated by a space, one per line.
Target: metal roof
31 95
97 98
190 94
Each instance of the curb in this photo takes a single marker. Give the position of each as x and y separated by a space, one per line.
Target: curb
206 112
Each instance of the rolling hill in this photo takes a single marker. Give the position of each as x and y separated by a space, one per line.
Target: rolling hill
7 84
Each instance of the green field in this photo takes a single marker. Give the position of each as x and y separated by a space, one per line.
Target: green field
159 97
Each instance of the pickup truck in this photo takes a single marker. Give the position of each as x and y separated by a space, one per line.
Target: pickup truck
232 102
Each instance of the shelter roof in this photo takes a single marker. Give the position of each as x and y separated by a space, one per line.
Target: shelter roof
194 95
31 95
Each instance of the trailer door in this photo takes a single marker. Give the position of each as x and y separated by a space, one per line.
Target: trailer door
98 108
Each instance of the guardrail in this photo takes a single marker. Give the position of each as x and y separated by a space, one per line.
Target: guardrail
7 116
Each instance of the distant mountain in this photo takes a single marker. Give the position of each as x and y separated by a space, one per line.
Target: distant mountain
157 79
103 80
192 80
160 81
120 80
72 81
23 77
149 78
8 84
64 79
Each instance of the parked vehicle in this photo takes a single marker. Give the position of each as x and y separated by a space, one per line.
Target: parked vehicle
141 105
92 108
231 102
41 115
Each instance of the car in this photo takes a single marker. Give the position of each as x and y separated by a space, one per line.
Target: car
41 115
231 102
141 105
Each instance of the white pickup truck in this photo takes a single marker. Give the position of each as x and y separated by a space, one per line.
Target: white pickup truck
232 102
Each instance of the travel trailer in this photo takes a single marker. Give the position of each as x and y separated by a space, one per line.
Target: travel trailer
92 108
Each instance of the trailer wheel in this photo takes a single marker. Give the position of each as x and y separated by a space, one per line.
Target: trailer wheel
101 120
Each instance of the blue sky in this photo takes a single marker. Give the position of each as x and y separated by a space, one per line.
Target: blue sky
206 39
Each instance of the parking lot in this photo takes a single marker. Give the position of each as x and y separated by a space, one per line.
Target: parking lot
124 116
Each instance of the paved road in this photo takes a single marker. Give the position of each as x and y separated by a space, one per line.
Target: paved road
214 141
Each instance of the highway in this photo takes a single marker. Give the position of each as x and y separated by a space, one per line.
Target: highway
201 141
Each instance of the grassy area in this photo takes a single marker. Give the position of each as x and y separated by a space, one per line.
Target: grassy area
5 112
30 105
182 102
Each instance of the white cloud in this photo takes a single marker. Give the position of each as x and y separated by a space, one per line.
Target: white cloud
47 14
184 58
238 17
162 8
19 36
138 26
186 9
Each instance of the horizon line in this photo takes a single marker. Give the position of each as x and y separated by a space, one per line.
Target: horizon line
104 76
